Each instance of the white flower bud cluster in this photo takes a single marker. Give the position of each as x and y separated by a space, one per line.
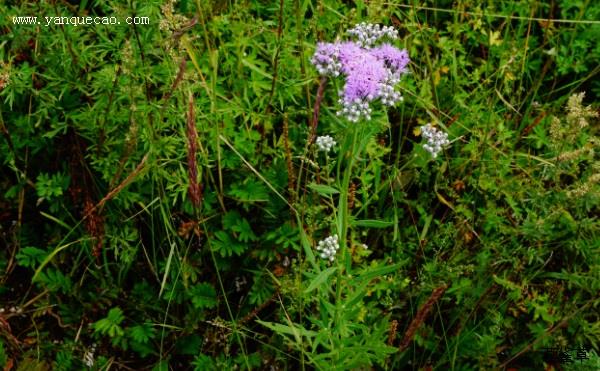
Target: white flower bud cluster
368 33
329 69
325 143
354 110
436 139
388 94
328 247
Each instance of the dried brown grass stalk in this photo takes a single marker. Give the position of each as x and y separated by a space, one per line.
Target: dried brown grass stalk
81 191
94 224
178 79
258 309
316 109
120 187
537 120
392 333
351 195
288 156
194 189
421 316
94 220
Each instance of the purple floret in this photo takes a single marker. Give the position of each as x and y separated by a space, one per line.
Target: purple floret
349 53
394 58
364 73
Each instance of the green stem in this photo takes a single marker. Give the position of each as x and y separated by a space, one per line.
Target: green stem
342 224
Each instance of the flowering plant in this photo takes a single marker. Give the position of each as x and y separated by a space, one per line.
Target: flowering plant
371 72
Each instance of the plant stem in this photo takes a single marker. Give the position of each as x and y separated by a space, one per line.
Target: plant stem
342 224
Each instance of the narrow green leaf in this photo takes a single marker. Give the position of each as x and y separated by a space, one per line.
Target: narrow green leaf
52 255
370 223
323 189
369 274
167 268
56 220
255 68
320 279
288 330
307 246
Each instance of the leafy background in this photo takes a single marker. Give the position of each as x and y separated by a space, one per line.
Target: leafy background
159 203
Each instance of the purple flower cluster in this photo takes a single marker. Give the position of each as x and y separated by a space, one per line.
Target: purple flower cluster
371 72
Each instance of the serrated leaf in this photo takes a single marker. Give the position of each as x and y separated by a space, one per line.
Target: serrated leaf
54 280
142 333
235 222
226 246
111 324
30 256
251 191
203 295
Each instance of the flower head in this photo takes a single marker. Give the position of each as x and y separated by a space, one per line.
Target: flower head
370 72
435 138
326 59
364 73
325 143
328 247
395 59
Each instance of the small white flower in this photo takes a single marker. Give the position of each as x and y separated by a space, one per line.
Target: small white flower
436 139
325 143
328 247
353 110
